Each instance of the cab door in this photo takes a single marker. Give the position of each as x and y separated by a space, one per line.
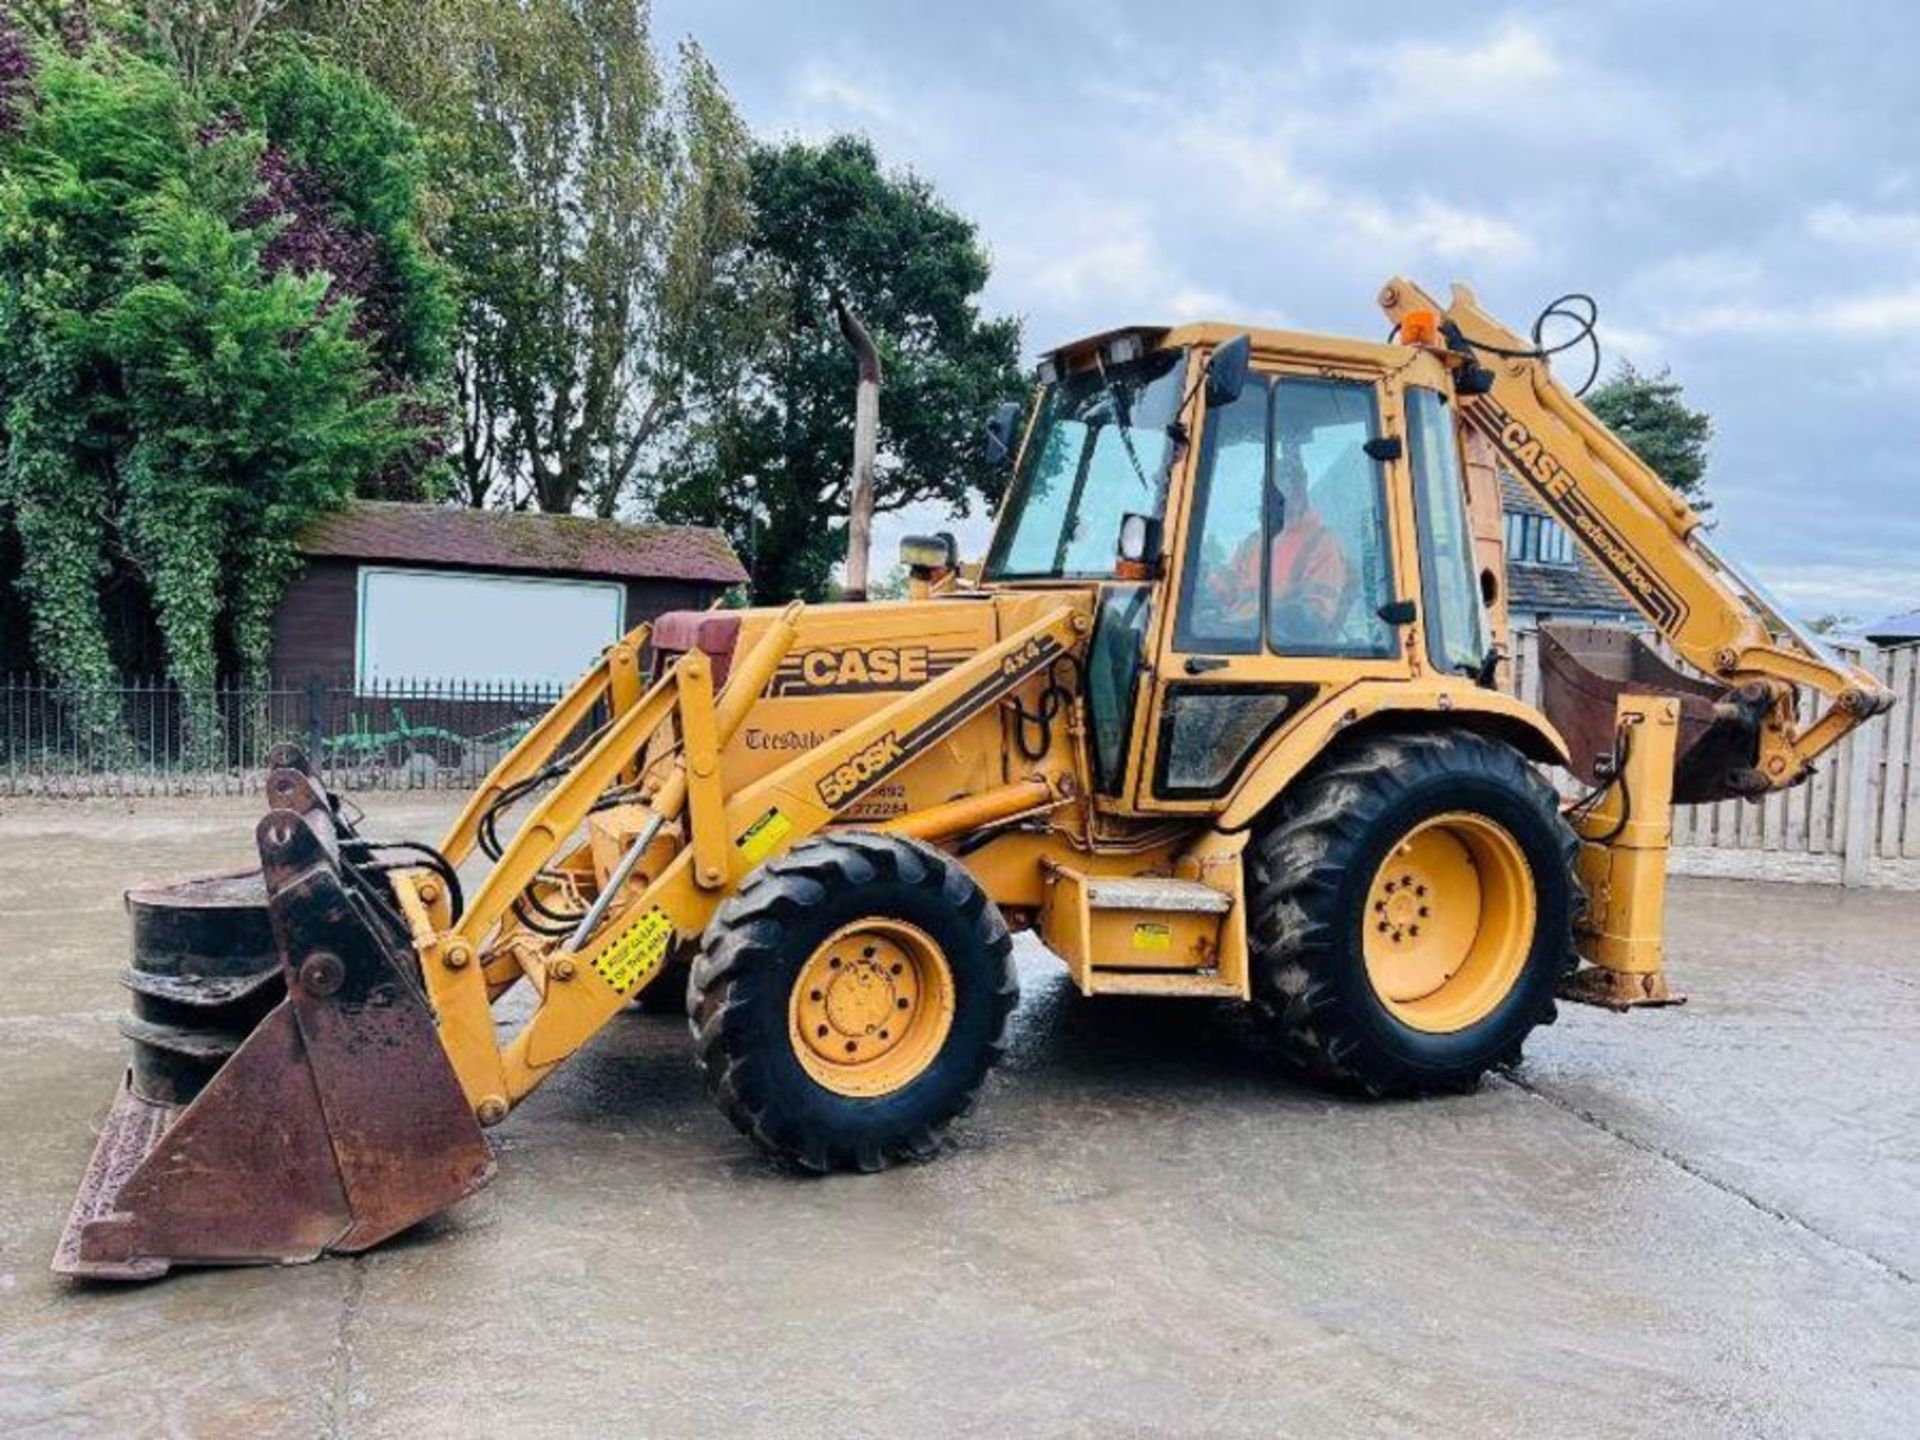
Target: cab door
1283 583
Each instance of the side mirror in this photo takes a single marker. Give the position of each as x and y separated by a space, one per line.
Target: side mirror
1000 435
1139 547
1227 371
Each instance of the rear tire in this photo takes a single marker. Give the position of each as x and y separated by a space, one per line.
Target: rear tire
849 1000
1378 989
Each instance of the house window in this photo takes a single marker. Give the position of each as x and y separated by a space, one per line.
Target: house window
1538 540
1516 535
481 628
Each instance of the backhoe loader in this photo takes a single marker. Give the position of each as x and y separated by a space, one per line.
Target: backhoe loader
1218 717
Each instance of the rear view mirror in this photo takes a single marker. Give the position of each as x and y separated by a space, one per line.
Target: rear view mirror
1227 371
1000 435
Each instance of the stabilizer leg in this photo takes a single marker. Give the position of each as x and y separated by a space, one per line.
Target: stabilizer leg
1624 840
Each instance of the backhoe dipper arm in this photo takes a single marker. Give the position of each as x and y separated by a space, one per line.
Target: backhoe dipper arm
1641 532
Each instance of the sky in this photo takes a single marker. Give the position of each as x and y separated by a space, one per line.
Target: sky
1738 186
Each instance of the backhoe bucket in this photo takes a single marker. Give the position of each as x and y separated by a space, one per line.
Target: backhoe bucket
1584 669
289 1096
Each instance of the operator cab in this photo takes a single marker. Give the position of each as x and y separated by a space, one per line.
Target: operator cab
1269 518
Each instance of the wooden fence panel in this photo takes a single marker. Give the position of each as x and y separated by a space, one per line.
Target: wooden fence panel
1840 805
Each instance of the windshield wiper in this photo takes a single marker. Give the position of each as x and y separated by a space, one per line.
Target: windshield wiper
1120 422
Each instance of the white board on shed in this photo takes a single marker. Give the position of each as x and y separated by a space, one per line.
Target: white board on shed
484 628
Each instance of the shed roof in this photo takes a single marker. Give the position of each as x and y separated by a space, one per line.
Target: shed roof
1895 629
1582 586
468 539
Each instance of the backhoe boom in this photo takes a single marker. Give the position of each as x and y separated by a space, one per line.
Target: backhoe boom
1646 537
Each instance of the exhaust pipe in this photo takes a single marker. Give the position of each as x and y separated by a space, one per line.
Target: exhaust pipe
282 1104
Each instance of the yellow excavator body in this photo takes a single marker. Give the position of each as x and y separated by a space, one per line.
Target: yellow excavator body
1217 715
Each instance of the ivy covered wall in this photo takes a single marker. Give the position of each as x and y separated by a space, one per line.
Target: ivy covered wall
217 319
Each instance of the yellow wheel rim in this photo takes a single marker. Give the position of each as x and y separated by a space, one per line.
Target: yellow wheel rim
1449 922
871 1007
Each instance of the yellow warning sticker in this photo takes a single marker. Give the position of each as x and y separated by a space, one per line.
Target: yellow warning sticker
636 952
765 833
1153 935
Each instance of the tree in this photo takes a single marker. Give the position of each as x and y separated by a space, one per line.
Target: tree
769 452
206 40
594 209
1649 414
209 330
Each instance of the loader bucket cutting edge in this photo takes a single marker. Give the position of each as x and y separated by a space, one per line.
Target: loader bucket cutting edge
335 1123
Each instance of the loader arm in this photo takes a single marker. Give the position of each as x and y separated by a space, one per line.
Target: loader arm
1647 538
693 850
612 680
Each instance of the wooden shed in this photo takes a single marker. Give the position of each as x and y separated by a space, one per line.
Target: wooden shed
395 592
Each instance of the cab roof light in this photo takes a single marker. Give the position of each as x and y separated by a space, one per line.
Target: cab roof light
1422 327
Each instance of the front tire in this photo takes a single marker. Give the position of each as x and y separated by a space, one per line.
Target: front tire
849 1000
1413 906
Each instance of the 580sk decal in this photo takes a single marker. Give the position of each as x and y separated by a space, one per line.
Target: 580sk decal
1524 450
859 773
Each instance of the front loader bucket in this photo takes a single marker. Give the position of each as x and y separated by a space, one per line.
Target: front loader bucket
1584 669
332 1123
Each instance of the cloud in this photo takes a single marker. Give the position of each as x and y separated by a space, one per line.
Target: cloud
835 87
1854 228
1865 592
1858 316
1742 200
1425 79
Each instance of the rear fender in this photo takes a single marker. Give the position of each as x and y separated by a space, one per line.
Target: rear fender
1379 707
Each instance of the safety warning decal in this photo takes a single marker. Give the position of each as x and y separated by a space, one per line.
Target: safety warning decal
765 833
1152 935
637 952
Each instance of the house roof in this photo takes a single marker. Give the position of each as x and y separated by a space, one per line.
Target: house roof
468 539
1894 630
1582 586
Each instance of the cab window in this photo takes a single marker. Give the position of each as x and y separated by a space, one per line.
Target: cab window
1456 624
1101 449
1289 543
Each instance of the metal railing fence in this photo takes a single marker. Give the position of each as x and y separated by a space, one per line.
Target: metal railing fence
153 737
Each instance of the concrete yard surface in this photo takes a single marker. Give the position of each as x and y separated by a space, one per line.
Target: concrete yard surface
1695 1221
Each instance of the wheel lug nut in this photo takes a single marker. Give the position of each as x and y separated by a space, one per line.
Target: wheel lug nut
852 1045
901 1002
815 996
